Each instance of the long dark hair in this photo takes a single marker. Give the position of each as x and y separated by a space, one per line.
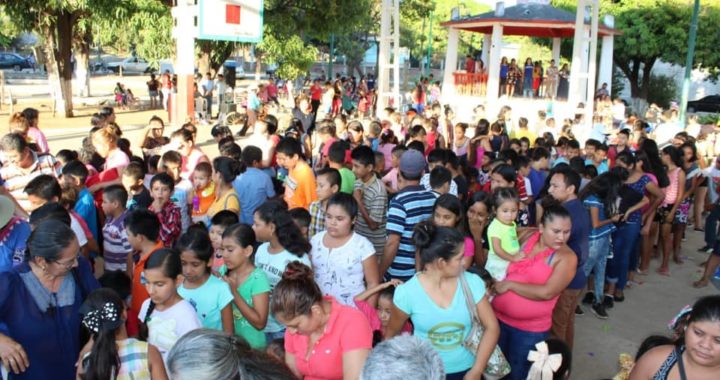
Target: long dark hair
606 187
102 317
436 242
287 232
656 167
168 260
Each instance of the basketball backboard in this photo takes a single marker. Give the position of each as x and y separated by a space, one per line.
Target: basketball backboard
231 20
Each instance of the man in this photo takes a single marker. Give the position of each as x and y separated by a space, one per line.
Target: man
564 184
22 166
207 86
253 108
602 91
412 205
220 87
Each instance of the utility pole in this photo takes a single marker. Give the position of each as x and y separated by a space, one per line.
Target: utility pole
692 36
330 57
429 47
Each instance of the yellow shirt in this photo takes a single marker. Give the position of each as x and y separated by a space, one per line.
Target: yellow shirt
520 133
228 201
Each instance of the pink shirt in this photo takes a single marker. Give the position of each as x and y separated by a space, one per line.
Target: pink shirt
386 150
518 311
671 192
469 247
346 330
190 162
38 138
116 159
391 178
372 315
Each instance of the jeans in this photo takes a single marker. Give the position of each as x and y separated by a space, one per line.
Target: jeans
515 345
624 247
598 251
456 376
711 224
270 336
209 100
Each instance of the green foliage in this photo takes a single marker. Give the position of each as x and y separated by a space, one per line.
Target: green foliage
709 118
293 56
662 90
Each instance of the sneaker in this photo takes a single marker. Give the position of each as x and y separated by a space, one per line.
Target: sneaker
704 248
608 302
599 310
589 298
579 310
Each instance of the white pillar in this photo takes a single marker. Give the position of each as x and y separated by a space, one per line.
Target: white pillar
606 63
487 41
451 55
183 102
556 50
493 64
592 67
576 66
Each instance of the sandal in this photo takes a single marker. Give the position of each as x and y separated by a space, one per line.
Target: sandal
663 272
700 284
678 260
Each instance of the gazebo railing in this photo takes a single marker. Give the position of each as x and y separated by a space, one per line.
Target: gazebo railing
470 84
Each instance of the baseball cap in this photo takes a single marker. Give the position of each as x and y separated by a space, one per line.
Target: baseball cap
412 163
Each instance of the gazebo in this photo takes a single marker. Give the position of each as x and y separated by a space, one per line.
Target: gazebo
534 20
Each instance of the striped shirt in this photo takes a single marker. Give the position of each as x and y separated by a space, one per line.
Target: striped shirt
375 202
15 178
115 243
410 206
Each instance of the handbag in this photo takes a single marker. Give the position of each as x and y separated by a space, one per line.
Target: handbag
497 366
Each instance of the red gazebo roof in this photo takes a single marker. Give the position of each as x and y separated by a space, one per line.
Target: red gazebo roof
534 20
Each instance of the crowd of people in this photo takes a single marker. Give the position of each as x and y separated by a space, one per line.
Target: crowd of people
316 247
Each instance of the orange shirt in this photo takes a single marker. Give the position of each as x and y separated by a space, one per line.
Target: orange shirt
139 293
300 186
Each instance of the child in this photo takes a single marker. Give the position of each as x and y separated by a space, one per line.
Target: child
116 246
282 243
373 138
302 218
599 158
448 212
218 224
166 316
249 285
379 317
437 157
326 136
209 296
328 183
74 174
151 169
142 228
253 186
336 160
162 186
391 178
543 354
132 181
379 164
371 197
203 192
276 349
387 145
599 197
440 179
114 354
182 193
502 233
300 182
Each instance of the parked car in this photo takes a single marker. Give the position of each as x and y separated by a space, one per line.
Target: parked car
14 61
709 103
130 65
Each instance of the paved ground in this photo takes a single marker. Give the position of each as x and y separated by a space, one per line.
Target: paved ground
646 311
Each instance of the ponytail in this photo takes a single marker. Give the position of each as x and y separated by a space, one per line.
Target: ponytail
102 316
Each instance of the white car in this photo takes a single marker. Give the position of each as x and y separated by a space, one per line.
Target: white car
130 65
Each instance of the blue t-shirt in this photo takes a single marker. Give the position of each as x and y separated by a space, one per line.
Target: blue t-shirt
578 240
85 207
208 300
445 329
593 201
602 168
253 187
13 243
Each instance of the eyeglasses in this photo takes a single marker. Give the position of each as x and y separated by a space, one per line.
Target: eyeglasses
68 263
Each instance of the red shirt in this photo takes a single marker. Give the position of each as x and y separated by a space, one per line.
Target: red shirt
346 330
315 92
170 222
138 292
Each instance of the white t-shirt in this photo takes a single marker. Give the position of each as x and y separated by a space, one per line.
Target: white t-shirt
179 197
77 229
664 133
339 271
713 175
167 326
273 264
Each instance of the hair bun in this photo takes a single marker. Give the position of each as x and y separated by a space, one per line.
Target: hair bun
297 271
423 235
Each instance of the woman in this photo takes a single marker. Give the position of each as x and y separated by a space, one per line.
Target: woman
341 335
695 354
105 142
225 169
693 177
504 68
184 143
528 72
40 305
433 300
418 99
478 217
303 113
152 139
344 261
526 298
211 354
563 84
649 154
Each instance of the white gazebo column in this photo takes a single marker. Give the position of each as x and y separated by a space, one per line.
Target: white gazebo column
451 55
493 64
606 63
556 50
487 41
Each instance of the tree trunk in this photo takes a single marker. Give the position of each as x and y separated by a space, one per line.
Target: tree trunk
47 31
204 58
58 46
81 44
